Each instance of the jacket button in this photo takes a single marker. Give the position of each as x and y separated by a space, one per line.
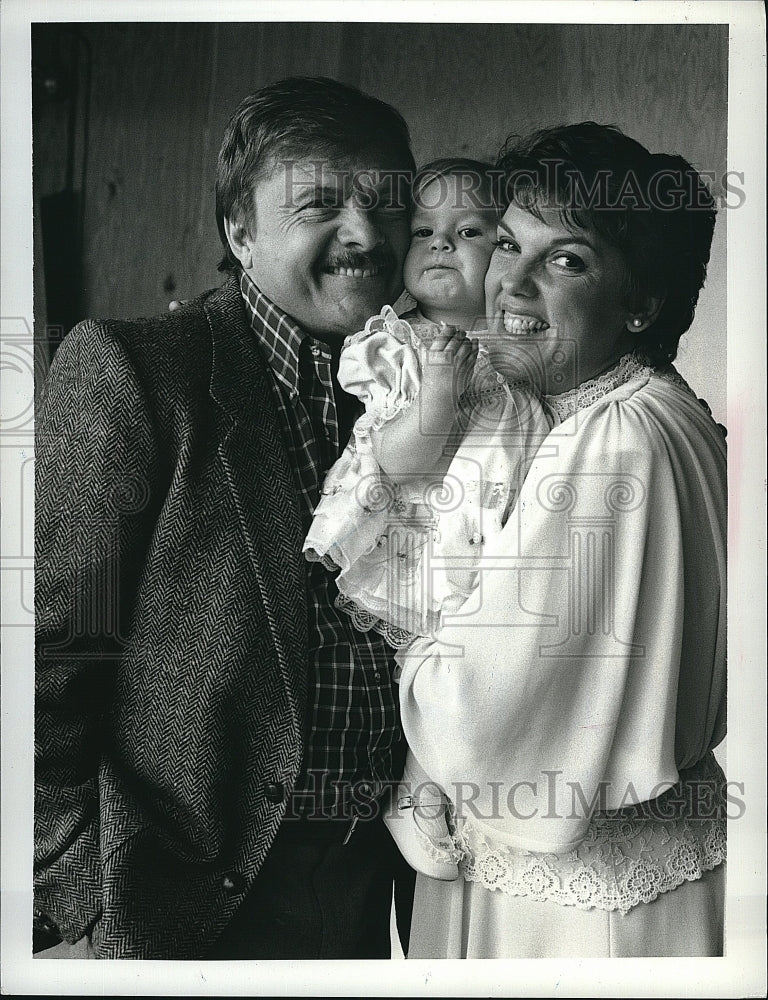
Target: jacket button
232 883
274 791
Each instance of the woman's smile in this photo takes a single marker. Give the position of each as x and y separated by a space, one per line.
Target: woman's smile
546 277
518 323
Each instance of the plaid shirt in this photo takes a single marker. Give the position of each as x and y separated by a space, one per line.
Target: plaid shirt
354 738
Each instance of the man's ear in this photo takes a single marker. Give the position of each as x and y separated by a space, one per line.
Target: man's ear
240 242
645 315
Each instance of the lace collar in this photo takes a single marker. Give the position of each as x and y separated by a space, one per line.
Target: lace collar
565 404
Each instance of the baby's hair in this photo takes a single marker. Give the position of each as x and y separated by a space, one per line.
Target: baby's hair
478 181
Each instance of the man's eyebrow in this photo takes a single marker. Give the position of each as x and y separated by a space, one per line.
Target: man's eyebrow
311 187
304 191
558 242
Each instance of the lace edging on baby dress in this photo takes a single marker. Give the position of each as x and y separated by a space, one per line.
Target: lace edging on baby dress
367 621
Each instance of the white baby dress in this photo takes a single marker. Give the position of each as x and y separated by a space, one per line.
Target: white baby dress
408 554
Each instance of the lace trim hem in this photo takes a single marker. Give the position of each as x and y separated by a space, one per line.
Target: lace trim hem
643 882
627 857
365 621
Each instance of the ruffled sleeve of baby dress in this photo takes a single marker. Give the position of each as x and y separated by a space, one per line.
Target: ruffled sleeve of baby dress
380 366
424 567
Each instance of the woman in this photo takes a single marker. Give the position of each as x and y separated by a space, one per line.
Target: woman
570 710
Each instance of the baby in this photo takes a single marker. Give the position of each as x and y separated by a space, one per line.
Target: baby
435 462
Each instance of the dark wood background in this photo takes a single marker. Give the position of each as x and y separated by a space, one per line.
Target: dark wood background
161 94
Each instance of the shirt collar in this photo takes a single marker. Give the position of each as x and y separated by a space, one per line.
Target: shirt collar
280 337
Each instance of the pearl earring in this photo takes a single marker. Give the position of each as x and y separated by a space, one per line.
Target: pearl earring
637 322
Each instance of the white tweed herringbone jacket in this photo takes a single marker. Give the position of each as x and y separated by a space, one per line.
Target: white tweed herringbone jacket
171 636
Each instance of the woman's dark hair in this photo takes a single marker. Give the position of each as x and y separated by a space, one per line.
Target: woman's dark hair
478 177
654 208
305 118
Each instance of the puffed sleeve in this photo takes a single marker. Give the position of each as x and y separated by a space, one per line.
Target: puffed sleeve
588 665
379 365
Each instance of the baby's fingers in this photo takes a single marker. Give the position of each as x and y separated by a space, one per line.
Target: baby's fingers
446 335
450 339
438 343
464 349
448 330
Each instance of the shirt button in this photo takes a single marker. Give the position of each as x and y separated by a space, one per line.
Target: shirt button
274 791
377 675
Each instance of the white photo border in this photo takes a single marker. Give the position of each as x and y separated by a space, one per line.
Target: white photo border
741 972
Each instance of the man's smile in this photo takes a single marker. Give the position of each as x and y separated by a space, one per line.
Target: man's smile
355 272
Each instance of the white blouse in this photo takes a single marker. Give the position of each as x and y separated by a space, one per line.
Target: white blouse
586 673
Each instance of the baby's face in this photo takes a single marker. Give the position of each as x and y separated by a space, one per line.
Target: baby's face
451 244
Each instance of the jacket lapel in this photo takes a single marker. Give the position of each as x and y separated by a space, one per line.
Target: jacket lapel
262 485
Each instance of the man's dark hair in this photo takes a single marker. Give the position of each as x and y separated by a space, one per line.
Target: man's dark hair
301 118
654 208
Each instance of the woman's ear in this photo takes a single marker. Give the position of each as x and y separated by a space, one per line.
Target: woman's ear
642 318
240 242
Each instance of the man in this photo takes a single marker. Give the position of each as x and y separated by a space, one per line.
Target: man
212 734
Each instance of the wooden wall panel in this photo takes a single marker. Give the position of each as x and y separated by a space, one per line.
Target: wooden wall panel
664 85
462 87
162 94
144 217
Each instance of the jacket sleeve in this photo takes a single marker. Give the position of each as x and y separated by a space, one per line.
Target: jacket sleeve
95 461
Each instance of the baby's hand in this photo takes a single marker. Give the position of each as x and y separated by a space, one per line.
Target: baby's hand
447 362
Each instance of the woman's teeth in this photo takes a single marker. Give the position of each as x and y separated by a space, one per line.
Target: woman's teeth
356 272
522 324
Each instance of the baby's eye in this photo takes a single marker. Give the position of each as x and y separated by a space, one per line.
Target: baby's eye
470 232
421 233
568 261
